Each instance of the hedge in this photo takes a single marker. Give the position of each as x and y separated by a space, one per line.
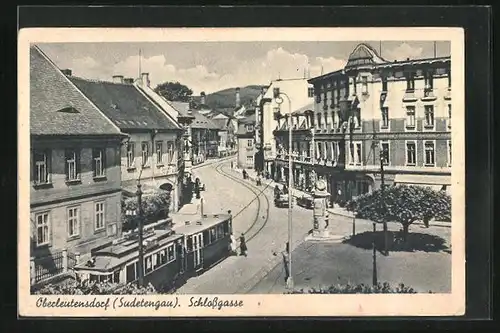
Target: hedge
380 288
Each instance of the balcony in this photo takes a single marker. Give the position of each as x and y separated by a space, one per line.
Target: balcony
428 95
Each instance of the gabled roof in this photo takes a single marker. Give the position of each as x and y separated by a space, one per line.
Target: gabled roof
125 105
222 124
56 105
200 121
302 110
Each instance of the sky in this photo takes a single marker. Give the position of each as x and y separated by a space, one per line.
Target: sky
213 66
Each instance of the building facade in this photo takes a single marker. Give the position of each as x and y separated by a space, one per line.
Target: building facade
151 153
268 112
75 193
402 109
245 137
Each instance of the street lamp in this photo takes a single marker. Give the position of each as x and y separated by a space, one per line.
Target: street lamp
279 100
383 158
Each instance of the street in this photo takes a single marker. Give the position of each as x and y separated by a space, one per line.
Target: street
264 236
314 264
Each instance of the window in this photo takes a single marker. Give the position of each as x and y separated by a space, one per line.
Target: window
319 147
99 215
148 264
159 152
410 116
384 152
449 152
249 128
449 79
130 155
334 120
411 153
98 162
385 117
42 228
318 125
410 82
429 116
364 85
249 160
310 92
429 81
41 168
213 235
171 151
429 153
72 172
250 143
170 253
327 120
449 115
73 222
354 85
358 154
384 84
145 153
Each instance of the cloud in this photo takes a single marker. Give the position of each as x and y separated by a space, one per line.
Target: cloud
404 51
235 72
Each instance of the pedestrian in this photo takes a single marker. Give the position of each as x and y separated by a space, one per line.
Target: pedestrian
243 245
232 245
232 165
285 189
277 192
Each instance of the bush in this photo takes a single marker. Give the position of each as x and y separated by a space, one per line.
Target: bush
381 288
95 288
154 207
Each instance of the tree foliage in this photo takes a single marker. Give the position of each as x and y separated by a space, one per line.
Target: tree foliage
380 288
154 207
404 204
174 91
95 288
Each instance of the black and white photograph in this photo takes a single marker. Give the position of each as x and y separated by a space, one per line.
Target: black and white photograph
205 170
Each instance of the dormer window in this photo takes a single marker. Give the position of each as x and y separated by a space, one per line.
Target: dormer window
250 128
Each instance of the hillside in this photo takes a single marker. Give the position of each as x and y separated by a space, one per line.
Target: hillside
225 99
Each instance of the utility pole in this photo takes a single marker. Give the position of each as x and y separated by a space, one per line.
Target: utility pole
279 100
383 158
140 263
374 257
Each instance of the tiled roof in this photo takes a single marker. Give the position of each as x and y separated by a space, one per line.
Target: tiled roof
56 105
125 105
200 121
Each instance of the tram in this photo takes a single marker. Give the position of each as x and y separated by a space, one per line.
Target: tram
170 254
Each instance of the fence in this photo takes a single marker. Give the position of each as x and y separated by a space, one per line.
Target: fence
43 268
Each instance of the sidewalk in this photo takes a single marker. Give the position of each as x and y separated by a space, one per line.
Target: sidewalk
336 210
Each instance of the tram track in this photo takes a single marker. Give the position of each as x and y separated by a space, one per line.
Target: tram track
258 193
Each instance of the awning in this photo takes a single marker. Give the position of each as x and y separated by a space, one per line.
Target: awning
436 182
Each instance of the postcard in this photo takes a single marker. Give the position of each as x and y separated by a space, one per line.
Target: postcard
241 172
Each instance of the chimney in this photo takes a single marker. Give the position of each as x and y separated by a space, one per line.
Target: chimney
118 78
203 98
128 80
238 101
145 79
67 72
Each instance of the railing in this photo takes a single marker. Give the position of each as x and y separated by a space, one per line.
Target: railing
49 266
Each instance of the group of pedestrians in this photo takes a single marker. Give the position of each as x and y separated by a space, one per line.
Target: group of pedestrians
243 246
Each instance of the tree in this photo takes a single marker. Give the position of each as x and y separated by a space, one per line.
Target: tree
403 204
154 207
174 91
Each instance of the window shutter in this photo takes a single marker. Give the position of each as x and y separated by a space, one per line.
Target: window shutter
66 170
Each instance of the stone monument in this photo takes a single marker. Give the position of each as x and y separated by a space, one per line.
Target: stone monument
321 218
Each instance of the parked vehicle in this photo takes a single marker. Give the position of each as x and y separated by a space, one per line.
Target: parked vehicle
281 200
305 201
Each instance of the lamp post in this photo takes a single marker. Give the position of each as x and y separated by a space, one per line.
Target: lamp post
279 100
383 156
374 256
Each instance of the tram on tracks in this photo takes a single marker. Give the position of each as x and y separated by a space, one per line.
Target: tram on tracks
170 254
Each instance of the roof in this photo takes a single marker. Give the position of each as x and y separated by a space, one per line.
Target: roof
56 105
202 224
221 123
200 121
364 54
125 105
302 110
